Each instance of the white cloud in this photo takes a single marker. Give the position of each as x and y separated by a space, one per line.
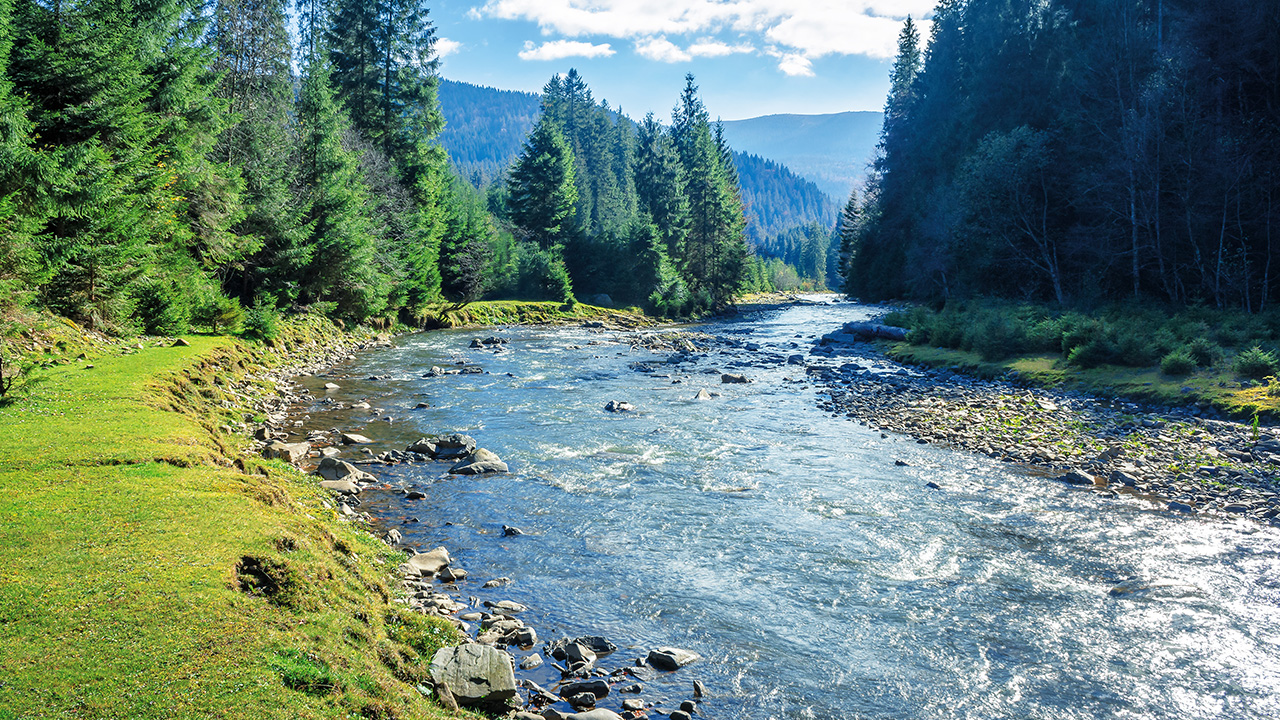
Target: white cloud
560 49
445 47
793 64
708 47
810 29
662 50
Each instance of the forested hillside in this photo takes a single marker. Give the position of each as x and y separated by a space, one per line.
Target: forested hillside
184 164
485 127
1077 151
833 151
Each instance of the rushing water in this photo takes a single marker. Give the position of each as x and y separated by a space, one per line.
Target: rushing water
818 578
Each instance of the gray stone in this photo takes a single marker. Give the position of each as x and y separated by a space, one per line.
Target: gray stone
497 582
478 463
292 453
531 662
669 658
393 537
597 688
334 469
342 487
477 676
597 714
1076 477
505 607
680 715
615 406
582 701
633 704
508 531
355 439
454 447
332 386
450 574
699 690
702 395
730 378
430 563
1181 507
688 706
423 446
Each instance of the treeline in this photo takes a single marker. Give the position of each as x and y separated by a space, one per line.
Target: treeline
646 214
1077 151
163 165
789 219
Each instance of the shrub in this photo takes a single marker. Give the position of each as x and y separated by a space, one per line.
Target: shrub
261 322
161 307
304 672
997 337
1204 351
1255 363
218 313
1179 362
1093 353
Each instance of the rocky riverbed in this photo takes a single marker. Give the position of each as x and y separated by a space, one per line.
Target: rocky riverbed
1170 457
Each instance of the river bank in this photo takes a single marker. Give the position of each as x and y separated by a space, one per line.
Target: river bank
154 567
1171 457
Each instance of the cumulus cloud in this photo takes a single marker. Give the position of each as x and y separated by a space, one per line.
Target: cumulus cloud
662 50
809 29
445 47
793 64
708 47
560 49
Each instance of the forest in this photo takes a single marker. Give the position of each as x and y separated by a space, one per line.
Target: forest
170 164
1077 152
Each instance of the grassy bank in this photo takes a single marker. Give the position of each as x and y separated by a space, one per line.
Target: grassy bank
519 312
150 569
1221 360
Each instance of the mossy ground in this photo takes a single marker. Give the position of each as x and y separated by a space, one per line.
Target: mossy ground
144 574
1217 387
517 312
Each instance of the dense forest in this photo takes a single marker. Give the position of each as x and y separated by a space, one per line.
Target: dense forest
486 129
176 163
1077 151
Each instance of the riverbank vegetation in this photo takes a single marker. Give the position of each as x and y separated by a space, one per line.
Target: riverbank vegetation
1226 360
153 570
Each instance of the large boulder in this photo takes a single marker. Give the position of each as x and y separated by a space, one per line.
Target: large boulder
422 447
430 563
355 439
335 469
669 658
292 453
454 447
477 676
478 463
342 487
731 378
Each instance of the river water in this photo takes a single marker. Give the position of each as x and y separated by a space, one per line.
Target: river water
816 576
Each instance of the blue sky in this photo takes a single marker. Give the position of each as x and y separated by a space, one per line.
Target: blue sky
750 57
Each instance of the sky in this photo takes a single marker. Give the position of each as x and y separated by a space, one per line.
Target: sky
749 57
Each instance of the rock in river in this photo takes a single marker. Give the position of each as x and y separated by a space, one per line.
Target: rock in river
669 658
730 378
430 563
618 406
334 469
477 675
355 439
454 447
479 462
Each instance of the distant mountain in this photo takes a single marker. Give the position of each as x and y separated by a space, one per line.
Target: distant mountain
778 200
831 150
485 127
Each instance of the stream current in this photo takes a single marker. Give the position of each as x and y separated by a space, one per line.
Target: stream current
816 577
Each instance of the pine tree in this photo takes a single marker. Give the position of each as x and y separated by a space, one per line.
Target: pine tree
659 182
338 258
19 219
542 186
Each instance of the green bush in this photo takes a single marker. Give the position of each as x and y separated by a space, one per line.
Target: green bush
261 322
161 307
1179 362
1092 353
543 276
1255 363
1204 351
218 314
304 672
998 337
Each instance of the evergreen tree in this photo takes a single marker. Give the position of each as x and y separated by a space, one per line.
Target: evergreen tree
338 261
659 182
465 252
542 187
19 219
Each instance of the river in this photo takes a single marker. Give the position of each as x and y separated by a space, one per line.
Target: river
816 575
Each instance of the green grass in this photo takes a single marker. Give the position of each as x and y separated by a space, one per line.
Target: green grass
519 312
129 544
1216 387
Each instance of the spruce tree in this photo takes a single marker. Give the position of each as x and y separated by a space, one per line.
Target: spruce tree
19 219
543 189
